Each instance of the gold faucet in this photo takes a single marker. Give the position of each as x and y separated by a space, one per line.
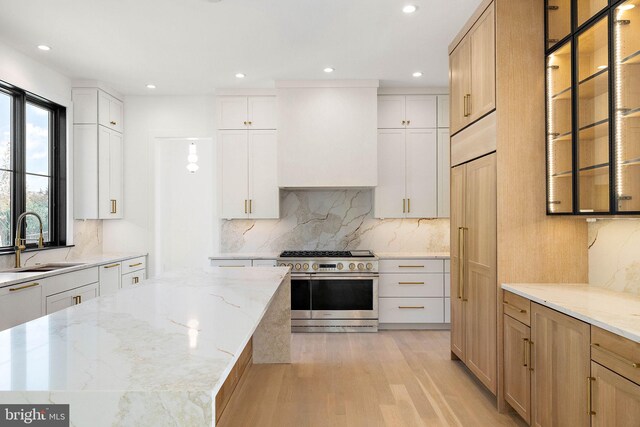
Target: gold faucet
20 243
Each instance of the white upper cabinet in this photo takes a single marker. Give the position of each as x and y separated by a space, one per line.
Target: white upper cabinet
234 167
264 194
110 112
407 111
93 105
110 174
247 112
422 173
390 200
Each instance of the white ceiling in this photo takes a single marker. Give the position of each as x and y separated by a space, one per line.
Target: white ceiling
195 46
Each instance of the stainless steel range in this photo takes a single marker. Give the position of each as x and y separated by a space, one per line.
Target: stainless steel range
333 291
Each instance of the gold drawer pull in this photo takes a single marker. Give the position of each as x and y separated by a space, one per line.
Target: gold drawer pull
19 288
111 265
521 310
135 280
77 300
403 307
410 283
114 206
135 265
616 356
590 410
411 266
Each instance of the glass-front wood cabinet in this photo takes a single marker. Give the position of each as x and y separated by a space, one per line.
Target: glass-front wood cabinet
593 107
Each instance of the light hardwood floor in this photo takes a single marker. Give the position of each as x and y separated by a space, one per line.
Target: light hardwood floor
392 378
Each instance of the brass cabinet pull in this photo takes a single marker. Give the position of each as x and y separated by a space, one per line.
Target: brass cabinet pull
515 308
245 122
410 283
411 266
616 356
525 350
408 122
404 207
77 300
245 206
250 200
590 410
409 205
19 288
467 105
250 123
114 206
113 122
135 265
404 122
135 280
418 307
111 265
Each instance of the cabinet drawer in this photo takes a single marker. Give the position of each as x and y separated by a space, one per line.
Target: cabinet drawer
231 263
20 303
264 263
411 310
134 264
447 310
447 265
517 307
617 353
411 266
447 285
63 282
72 297
411 285
130 280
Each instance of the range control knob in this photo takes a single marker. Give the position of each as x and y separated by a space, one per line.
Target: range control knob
352 266
305 266
360 266
290 265
369 266
340 266
315 266
298 266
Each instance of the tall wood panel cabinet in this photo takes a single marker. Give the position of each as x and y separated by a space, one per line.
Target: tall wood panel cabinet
497 177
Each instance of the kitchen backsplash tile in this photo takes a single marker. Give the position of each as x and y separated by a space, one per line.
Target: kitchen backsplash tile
340 219
614 254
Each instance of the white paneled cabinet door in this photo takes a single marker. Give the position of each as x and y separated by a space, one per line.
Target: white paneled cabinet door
264 194
261 112
85 171
20 303
110 278
390 193
110 112
443 111
234 173
444 170
391 112
110 179
421 173
232 112
421 111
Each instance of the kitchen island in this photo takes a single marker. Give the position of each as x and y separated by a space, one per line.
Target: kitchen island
162 353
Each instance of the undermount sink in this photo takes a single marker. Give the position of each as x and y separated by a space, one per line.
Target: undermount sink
44 267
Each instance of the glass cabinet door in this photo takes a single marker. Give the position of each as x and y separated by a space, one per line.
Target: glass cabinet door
627 103
558 21
588 8
559 135
593 118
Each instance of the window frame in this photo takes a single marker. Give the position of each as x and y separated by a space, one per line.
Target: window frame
57 166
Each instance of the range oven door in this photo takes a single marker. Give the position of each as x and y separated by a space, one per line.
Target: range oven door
301 296
344 297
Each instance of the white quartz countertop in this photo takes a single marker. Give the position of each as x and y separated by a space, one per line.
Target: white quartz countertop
9 277
412 255
616 312
246 255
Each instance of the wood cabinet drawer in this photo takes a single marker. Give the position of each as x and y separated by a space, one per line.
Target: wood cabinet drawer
411 285
134 264
617 353
231 263
411 266
517 307
411 310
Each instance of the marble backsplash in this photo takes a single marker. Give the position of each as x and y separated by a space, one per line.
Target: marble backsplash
87 240
614 254
338 220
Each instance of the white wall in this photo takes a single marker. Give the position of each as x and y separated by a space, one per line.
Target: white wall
146 119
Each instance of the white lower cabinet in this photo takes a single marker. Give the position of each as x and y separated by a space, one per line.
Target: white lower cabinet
130 280
411 285
71 297
20 303
447 310
264 263
411 310
243 262
110 278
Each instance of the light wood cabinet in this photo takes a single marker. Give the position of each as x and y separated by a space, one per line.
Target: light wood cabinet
248 165
407 111
472 73
444 171
560 368
457 221
110 275
247 112
517 376
20 303
615 401
72 297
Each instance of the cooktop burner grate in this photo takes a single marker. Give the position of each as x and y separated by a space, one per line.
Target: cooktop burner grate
325 254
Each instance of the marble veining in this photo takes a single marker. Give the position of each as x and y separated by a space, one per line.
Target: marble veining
614 255
333 220
616 312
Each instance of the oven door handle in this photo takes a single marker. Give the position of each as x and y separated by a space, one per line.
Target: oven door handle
343 277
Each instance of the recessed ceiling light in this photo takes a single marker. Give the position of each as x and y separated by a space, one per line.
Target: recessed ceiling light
417 74
151 86
410 8
240 75
627 6
329 70
44 47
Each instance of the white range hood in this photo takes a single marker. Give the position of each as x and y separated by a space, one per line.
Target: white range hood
327 134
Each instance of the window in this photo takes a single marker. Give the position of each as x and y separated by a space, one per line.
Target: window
32 167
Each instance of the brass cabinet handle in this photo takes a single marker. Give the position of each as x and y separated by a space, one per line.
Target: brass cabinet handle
616 356
111 265
250 200
135 265
404 122
19 288
418 307
114 206
590 410
245 122
113 122
515 308
245 206
408 122
410 283
77 300
525 350
409 205
404 207
250 123
135 280
411 266
467 105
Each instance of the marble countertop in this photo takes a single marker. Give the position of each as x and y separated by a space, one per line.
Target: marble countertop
246 255
616 312
411 255
9 277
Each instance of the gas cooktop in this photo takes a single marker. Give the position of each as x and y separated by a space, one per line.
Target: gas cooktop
327 254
